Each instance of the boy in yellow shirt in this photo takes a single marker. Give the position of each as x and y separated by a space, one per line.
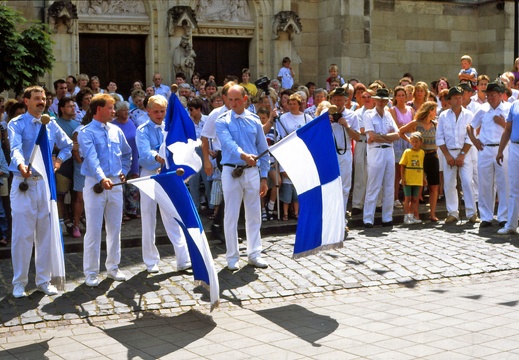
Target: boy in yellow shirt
412 177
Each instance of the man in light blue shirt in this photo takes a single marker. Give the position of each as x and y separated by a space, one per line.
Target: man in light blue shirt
242 138
30 208
149 138
107 157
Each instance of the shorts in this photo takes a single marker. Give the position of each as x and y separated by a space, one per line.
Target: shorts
431 168
4 189
216 193
79 180
288 194
63 184
412 190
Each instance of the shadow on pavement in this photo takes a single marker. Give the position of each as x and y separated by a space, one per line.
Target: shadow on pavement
31 351
11 308
230 281
303 323
152 336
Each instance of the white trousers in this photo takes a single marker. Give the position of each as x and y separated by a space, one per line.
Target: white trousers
475 178
449 185
345 167
31 225
513 177
107 205
150 253
360 176
245 188
492 177
381 178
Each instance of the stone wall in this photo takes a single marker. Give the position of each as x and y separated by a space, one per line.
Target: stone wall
383 39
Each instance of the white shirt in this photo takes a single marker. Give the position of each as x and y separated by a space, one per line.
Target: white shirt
490 131
209 129
288 123
452 133
342 139
379 124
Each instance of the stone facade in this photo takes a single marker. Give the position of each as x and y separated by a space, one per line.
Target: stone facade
368 39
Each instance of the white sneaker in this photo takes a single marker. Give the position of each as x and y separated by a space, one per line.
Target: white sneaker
116 275
258 262
398 204
503 231
19 291
92 280
186 266
232 264
407 221
414 220
47 288
153 269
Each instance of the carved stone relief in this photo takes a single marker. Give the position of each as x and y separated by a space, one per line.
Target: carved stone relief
112 7
286 21
222 10
62 12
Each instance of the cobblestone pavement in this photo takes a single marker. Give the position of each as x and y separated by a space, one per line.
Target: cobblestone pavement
371 258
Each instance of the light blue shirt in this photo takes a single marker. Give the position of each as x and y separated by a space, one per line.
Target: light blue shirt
23 131
149 137
162 90
513 117
105 150
240 134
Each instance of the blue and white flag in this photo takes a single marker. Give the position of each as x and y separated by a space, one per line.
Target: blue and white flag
172 195
179 140
309 158
41 161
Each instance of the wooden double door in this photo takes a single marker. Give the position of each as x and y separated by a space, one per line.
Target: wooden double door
221 56
121 58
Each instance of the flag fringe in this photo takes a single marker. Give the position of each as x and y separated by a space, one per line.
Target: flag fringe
207 287
58 282
318 249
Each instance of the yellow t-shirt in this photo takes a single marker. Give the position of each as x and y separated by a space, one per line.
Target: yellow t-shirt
251 88
413 162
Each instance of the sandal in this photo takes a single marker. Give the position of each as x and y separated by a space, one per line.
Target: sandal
126 218
285 217
434 219
3 242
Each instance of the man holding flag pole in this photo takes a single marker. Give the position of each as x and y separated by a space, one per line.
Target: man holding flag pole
107 157
33 195
242 138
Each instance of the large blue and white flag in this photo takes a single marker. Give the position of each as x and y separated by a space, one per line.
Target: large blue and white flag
179 140
41 161
172 195
309 158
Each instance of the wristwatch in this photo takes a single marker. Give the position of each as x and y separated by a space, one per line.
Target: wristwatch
462 152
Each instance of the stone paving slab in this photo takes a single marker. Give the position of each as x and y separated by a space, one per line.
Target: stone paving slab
371 258
469 317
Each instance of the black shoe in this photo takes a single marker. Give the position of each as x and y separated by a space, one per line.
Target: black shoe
378 209
217 233
368 225
501 224
387 224
356 211
485 224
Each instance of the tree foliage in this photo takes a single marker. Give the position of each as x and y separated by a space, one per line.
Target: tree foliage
24 56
